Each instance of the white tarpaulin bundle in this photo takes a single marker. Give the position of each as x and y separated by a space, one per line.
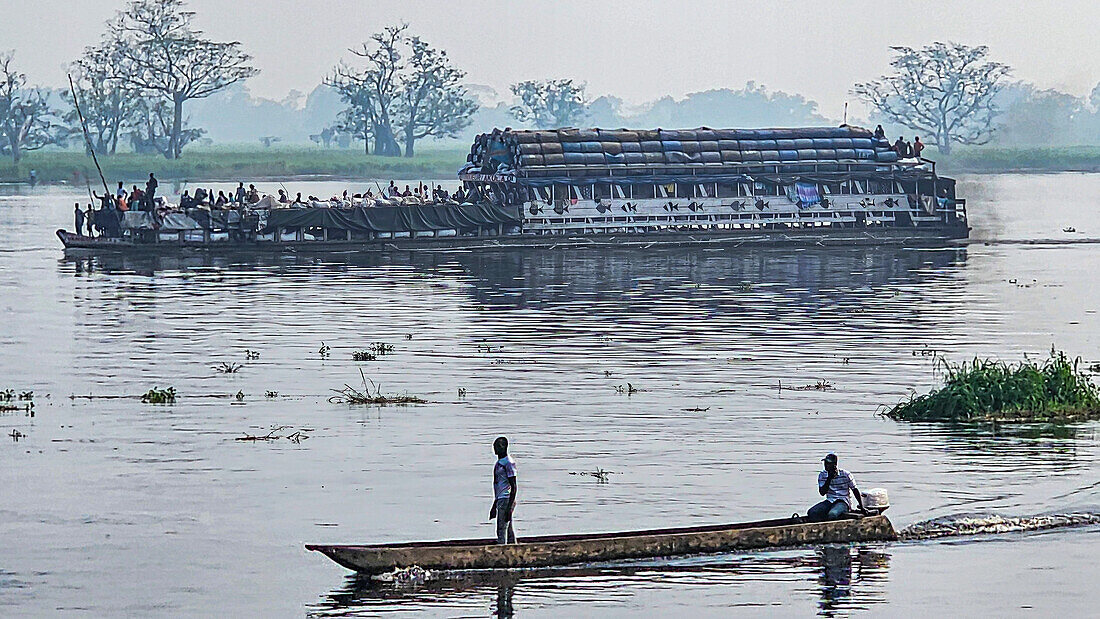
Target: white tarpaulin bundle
179 221
137 220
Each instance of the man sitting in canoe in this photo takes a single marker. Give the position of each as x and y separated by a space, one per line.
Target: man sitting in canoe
504 492
834 484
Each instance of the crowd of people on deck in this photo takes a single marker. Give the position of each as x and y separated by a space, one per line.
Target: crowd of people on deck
107 220
904 149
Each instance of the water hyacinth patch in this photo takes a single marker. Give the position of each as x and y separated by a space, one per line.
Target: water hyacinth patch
984 389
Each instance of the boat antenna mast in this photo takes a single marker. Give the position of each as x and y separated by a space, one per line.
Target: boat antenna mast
87 138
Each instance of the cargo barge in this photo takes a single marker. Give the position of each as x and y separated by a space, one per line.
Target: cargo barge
596 187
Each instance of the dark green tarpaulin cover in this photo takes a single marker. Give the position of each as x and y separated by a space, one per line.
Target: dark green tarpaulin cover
395 218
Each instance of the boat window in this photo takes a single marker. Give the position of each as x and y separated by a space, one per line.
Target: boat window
728 190
561 192
602 191
618 190
858 187
701 191
642 192
663 191
685 190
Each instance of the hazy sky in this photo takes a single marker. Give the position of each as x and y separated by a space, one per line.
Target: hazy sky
636 50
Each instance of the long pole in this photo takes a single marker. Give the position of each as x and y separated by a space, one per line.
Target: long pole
87 138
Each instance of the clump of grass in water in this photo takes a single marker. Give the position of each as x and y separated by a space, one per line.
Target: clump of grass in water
159 396
993 390
371 394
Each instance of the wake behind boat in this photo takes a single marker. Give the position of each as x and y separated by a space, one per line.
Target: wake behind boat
545 551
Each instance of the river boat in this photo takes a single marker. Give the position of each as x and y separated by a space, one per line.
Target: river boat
589 187
553 550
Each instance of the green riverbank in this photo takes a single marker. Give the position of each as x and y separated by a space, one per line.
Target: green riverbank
231 164
994 160
243 162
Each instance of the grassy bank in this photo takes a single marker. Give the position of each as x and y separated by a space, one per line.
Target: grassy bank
989 159
1054 390
243 162
232 164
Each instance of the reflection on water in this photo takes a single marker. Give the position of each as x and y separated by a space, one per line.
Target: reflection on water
837 579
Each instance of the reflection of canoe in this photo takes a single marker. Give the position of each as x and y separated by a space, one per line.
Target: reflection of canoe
567 549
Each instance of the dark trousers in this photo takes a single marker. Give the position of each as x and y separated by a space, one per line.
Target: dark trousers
505 533
827 510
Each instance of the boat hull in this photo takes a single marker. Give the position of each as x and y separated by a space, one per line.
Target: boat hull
718 238
566 550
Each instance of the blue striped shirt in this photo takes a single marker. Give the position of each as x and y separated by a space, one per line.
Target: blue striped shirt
839 488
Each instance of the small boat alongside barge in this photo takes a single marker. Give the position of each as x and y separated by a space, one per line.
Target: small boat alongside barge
554 550
579 188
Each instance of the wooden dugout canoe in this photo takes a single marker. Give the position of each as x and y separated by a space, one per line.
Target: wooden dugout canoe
587 548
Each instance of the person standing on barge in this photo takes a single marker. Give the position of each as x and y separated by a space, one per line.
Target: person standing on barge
150 193
79 215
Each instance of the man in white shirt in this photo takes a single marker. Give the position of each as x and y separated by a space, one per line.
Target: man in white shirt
504 492
835 484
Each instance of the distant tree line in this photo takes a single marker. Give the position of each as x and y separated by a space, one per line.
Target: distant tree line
136 85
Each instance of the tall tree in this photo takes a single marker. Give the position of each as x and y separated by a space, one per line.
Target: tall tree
151 128
432 101
110 106
371 92
26 118
945 90
156 49
550 103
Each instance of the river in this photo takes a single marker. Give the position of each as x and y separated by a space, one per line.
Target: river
115 507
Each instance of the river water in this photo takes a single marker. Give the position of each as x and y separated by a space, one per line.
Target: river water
115 507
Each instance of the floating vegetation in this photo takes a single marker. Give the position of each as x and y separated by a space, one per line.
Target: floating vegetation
408 336
271 394
324 350
461 392
7 395
381 348
1054 390
821 385
159 396
1069 229
1094 368
696 410
16 435
251 355
26 396
628 389
599 474
363 355
275 434
745 287
371 394
228 368
607 373
239 396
